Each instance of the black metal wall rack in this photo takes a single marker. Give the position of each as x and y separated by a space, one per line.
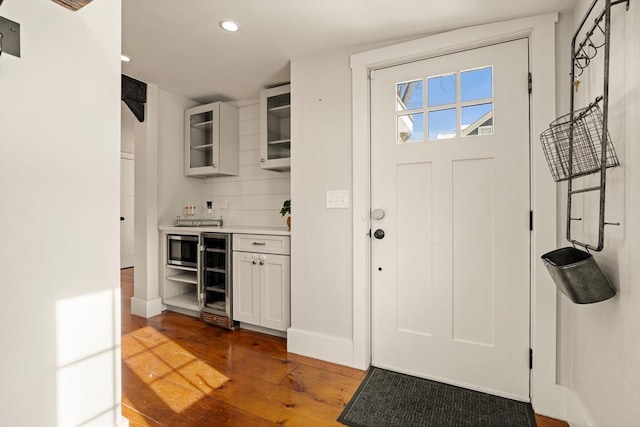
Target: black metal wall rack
578 143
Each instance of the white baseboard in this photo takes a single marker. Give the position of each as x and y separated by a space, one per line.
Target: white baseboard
263 330
323 347
577 413
185 311
146 308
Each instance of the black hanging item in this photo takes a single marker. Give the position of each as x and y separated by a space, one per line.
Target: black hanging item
9 36
134 94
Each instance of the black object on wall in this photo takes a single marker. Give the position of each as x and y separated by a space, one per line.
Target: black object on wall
9 36
134 94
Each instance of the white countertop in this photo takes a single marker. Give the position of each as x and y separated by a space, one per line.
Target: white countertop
247 229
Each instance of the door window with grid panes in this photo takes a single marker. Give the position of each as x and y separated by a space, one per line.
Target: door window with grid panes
453 105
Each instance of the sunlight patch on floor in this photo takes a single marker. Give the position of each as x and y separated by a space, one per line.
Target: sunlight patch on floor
167 368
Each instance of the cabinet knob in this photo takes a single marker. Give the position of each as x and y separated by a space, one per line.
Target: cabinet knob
261 160
214 165
255 262
261 262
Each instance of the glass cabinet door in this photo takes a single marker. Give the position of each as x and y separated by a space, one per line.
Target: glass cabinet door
211 140
215 274
275 128
201 139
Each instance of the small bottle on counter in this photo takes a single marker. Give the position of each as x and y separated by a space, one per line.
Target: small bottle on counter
209 211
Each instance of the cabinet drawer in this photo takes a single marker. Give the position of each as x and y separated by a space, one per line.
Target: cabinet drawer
261 243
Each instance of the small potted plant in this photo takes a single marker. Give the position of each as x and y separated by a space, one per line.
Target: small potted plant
286 210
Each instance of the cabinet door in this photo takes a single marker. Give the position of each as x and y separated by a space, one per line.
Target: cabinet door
246 288
215 273
275 291
275 128
202 139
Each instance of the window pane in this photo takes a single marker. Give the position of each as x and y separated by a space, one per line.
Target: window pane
477 119
442 90
410 128
409 95
442 124
476 84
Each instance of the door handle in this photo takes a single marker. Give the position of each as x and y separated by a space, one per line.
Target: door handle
379 234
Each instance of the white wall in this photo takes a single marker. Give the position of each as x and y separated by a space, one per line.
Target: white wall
146 300
564 32
321 242
174 189
59 204
604 338
254 197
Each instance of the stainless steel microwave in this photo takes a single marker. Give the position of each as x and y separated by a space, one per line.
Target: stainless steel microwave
182 250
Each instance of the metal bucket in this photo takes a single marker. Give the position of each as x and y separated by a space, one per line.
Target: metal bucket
577 275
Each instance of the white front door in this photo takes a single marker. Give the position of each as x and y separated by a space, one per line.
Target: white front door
450 191
126 209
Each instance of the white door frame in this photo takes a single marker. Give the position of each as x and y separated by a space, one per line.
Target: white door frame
547 397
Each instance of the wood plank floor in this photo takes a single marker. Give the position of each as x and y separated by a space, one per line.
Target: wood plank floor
179 371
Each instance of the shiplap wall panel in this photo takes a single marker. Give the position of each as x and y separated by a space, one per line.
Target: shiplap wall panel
249 127
280 186
250 112
249 142
255 196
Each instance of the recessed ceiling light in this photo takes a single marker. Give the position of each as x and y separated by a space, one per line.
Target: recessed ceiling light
125 58
229 26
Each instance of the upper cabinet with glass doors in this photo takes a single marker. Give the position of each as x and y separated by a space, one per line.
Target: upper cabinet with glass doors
275 128
211 140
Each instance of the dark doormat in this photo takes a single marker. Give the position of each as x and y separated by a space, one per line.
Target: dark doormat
390 399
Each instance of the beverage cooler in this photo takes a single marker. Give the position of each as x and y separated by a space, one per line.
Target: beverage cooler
216 280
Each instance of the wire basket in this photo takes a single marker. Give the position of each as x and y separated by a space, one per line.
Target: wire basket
587 144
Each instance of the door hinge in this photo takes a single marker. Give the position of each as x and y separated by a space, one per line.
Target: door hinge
530 80
530 220
530 358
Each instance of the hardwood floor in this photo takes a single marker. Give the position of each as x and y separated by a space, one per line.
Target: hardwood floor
179 371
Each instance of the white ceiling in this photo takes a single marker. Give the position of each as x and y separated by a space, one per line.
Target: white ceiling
179 46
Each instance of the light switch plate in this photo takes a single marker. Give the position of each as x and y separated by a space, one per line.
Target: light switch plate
337 199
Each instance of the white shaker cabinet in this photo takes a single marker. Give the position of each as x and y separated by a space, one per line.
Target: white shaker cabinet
211 141
275 128
261 280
